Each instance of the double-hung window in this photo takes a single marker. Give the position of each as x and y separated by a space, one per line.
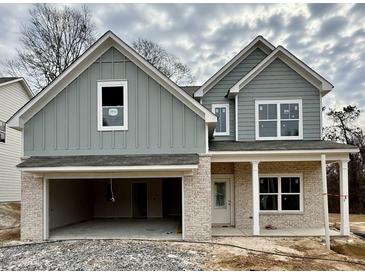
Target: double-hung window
282 193
222 113
2 132
112 105
279 119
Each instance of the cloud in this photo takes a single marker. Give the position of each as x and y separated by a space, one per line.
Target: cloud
330 38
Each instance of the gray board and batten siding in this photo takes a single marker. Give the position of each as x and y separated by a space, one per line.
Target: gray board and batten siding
217 93
279 81
158 123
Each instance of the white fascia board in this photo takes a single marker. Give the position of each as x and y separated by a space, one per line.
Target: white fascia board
259 42
306 72
91 55
110 168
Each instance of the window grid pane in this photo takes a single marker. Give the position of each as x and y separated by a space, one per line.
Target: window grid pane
287 120
287 191
220 194
221 113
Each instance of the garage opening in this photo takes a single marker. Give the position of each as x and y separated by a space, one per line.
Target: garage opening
115 208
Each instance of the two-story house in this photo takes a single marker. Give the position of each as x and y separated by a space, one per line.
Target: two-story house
115 149
14 93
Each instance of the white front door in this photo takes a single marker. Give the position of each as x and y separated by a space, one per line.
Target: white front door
221 200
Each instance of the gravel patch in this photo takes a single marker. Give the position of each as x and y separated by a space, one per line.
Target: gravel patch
103 255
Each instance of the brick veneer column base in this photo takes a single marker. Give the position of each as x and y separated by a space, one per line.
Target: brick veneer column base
197 202
31 207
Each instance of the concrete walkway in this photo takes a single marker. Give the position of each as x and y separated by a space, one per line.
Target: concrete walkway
119 229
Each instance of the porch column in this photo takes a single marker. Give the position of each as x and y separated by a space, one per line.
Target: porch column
344 198
325 200
255 198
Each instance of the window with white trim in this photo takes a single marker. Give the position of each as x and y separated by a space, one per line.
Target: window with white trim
281 193
279 119
112 105
222 113
2 132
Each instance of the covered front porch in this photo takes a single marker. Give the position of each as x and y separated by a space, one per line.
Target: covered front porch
279 192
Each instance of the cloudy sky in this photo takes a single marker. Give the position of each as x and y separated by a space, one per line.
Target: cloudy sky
330 38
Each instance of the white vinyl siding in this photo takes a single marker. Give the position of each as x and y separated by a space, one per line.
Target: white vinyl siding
12 97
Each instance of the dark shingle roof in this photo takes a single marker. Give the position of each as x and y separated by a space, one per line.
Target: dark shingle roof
7 79
190 89
110 160
276 145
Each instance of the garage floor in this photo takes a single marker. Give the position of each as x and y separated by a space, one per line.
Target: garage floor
120 229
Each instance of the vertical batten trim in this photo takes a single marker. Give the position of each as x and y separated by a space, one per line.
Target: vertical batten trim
43 131
89 107
113 77
67 121
147 113
159 119
136 110
183 126
172 122
236 115
79 112
100 132
55 124
125 77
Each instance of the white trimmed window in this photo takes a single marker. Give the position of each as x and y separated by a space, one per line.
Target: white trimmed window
222 113
2 132
112 105
282 193
279 119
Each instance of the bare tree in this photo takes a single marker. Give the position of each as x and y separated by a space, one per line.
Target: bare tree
50 42
344 130
164 61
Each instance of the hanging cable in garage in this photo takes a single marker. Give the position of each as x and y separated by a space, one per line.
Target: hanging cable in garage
110 193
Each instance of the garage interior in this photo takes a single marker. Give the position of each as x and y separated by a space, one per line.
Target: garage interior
115 208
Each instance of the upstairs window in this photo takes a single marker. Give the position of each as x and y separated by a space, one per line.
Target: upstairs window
222 113
112 105
2 132
279 119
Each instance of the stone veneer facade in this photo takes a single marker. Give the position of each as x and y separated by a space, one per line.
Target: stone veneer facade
312 215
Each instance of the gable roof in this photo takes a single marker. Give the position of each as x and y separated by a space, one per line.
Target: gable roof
11 80
293 62
105 42
258 42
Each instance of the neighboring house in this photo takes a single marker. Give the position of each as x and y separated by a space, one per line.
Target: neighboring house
14 93
112 137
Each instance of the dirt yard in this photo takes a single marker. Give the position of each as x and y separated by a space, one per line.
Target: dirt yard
224 258
9 221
